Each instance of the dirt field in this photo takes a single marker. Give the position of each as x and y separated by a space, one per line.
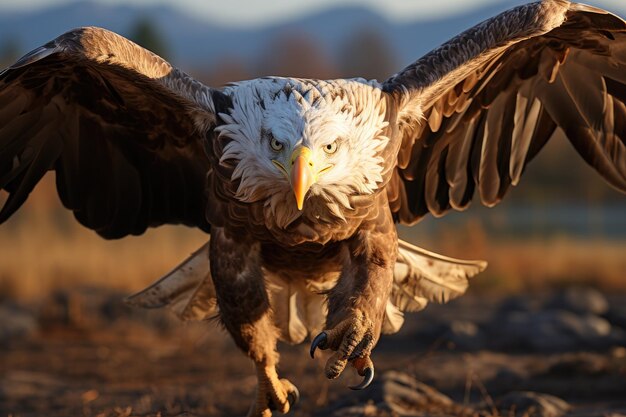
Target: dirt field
84 353
72 351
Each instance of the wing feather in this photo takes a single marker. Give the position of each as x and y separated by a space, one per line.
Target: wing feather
457 163
493 96
123 129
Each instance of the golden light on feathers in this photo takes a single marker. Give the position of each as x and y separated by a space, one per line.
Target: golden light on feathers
301 182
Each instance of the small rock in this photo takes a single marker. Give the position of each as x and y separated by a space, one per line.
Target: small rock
579 364
427 331
394 393
580 300
16 323
367 410
552 330
531 404
462 334
465 335
518 303
617 315
26 385
508 379
401 393
618 352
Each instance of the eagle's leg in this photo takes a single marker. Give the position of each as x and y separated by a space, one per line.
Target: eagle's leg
272 393
356 305
245 312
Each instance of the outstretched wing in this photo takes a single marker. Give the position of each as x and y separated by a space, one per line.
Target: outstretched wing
121 127
476 110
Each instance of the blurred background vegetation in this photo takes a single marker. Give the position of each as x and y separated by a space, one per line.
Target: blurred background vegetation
562 225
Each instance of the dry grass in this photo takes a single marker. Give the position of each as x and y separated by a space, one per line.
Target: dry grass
556 262
535 263
39 257
43 248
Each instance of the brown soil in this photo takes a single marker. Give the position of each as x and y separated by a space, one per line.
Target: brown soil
111 361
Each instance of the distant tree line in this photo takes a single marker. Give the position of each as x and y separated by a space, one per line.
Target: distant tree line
10 51
365 53
145 32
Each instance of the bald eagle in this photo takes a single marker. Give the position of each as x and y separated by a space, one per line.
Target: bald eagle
299 182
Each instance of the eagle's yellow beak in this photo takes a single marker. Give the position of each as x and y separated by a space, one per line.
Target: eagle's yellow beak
302 174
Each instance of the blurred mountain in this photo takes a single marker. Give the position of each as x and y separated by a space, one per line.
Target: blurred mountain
197 43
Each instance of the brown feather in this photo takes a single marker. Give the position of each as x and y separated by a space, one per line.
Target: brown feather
507 84
124 130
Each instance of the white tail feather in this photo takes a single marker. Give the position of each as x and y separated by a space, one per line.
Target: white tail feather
187 290
299 310
421 276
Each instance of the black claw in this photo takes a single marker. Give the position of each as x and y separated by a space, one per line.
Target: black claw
319 341
293 397
368 377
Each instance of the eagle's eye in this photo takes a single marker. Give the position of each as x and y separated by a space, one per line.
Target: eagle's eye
276 145
331 148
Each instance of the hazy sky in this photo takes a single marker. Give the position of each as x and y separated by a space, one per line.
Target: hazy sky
245 12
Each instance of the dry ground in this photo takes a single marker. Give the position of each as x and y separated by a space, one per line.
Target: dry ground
88 355
82 353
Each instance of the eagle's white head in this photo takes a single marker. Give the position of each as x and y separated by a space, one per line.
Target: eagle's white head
305 147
